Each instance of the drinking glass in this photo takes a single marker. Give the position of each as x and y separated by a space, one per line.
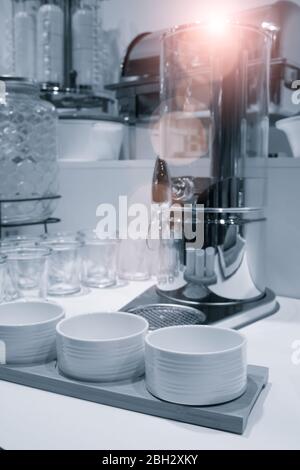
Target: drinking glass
99 261
2 277
63 266
134 262
19 240
63 236
27 272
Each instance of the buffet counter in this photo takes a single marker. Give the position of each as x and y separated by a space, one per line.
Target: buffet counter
34 419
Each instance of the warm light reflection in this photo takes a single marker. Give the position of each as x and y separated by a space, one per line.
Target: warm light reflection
218 24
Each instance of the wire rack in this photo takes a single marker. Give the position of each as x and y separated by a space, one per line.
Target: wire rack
162 315
44 222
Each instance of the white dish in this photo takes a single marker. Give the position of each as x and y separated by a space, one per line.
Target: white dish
196 365
102 347
27 331
89 139
291 127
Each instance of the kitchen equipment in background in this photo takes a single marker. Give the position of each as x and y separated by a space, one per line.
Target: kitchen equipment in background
62 45
50 42
28 167
291 127
89 138
196 365
138 90
25 38
2 277
27 270
102 347
63 266
88 49
27 332
99 261
83 41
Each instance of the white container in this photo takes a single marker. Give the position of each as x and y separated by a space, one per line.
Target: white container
102 347
196 365
291 127
89 139
27 332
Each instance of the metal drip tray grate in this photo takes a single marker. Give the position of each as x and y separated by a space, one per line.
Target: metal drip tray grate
162 315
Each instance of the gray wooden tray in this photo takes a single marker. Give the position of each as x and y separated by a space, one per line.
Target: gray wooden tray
133 396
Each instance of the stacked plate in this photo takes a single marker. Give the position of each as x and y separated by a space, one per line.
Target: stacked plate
196 365
27 332
101 347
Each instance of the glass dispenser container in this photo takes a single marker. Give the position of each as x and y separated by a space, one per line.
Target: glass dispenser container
87 43
61 44
24 29
50 42
214 108
28 156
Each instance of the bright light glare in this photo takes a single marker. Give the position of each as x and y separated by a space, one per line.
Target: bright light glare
269 26
217 24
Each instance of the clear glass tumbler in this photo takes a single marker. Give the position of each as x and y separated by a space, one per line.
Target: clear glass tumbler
63 266
99 261
134 263
27 272
2 277
19 241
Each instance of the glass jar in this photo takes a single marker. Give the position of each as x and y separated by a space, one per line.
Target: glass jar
28 163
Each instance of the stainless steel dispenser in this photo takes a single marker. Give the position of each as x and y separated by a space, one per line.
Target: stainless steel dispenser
214 105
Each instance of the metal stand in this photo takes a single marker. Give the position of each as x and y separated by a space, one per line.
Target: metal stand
44 222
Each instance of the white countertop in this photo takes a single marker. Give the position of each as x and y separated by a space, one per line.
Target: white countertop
33 419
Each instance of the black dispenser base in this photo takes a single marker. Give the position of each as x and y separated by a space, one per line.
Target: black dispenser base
231 315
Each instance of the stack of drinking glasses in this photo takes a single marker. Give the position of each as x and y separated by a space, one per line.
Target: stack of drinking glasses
60 264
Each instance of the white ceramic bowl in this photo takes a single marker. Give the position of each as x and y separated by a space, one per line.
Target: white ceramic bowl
102 347
27 331
89 139
196 365
291 127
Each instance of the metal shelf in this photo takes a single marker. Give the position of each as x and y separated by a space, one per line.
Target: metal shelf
44 222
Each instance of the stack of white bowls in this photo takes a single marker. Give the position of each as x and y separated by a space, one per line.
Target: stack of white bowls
196 365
